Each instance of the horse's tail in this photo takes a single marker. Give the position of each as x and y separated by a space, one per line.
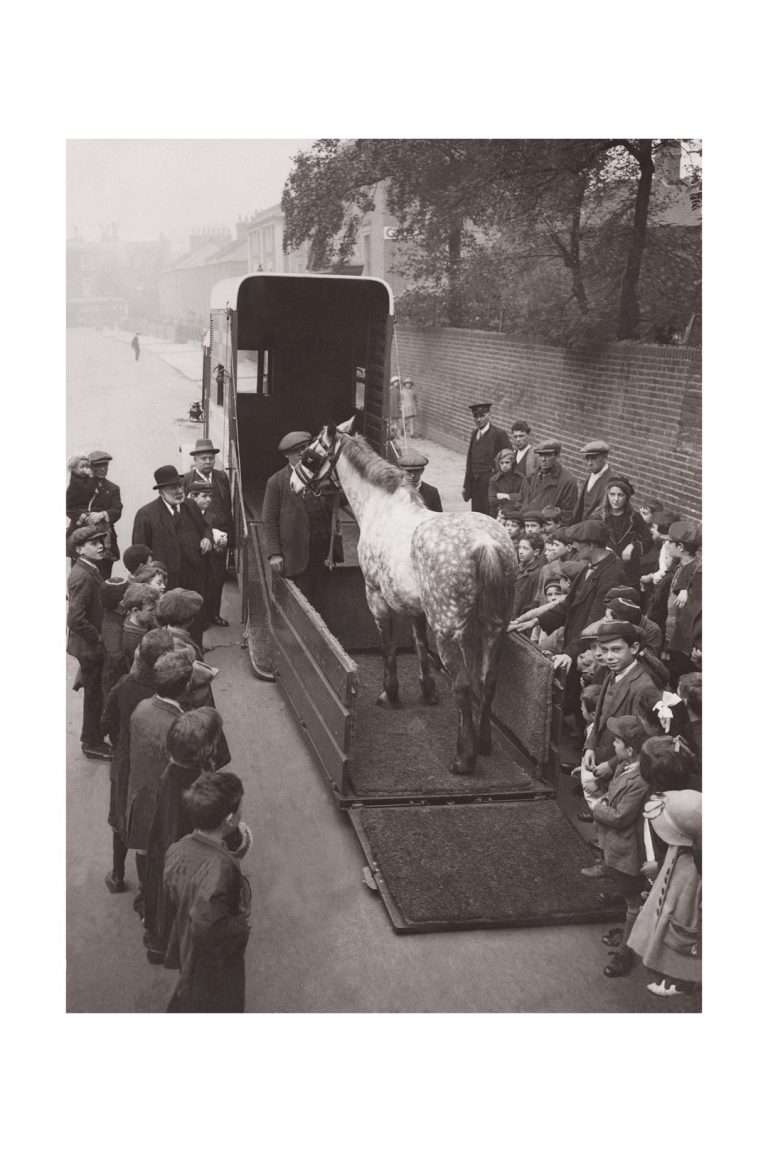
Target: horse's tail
493 588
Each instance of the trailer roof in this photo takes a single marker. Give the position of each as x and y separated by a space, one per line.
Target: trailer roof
225 293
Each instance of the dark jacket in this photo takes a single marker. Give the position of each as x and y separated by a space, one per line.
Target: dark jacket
683 625
149 726
617 699
129 691
430 496
527 583
481 454
85 611
175 545
629 528
79 493
287 522
590 504
510 482
619 818
584 603
106 498
557 487
219 511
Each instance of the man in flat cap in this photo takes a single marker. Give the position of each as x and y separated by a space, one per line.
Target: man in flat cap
592 492
297 529
413 464
218 516
486 442
176 534
104 508
84 617
550 483
683 623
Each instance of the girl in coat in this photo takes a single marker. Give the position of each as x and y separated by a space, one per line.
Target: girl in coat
628 535
667 933
506 485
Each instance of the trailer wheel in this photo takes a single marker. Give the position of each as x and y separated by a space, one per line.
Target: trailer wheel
261 664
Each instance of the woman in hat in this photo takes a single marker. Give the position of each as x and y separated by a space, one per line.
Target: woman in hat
628 534
506 484
667 933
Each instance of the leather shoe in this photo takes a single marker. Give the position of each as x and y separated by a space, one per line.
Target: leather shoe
610 900
97 751
220 622
619 964
596 872
585 816
613 938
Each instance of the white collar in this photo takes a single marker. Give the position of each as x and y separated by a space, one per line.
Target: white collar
595 476
482 431
167 700
90 563
206 479
172 508
620 675
521 452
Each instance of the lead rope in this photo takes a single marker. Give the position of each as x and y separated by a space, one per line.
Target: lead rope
330 563
400 386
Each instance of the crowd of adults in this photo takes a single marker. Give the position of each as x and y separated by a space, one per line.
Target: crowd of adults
609 591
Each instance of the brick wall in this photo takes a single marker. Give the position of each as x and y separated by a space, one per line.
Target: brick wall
645 400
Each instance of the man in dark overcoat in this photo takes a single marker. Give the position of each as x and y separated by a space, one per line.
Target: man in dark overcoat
551 483
297 529
593 490
106 508
175 532
219 516
487 440
84 616
413 464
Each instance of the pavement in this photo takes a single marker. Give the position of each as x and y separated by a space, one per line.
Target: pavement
320 940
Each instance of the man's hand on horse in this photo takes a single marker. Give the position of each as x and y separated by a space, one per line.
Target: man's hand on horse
277 564
521 625
563 660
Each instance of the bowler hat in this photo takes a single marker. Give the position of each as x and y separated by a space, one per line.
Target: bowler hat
548 446
203 446
99 457
617 630
595 448
413 461
676 817
293 440
685 532
629 729
589 532
484 406
166 476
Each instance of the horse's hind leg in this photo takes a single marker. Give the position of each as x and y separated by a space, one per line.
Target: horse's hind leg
426 679
385 623
453 662
491 652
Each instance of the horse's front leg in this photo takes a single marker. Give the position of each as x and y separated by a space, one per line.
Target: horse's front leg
385 623
489 669
426 679
466 752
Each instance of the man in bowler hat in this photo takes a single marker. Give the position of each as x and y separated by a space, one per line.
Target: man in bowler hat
218 516
413 464
487 440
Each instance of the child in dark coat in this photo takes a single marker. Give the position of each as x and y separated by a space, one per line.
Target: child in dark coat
209 901
506 484
530 550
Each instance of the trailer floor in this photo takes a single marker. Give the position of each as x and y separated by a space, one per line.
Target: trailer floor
407 751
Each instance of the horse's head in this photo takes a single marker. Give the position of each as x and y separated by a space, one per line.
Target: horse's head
318 460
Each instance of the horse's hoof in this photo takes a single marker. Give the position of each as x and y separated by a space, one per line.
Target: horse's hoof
461 767
385 701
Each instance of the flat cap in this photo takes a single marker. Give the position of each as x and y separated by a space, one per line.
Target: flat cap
589 532
90 532
533 514
293 440
622 592
625 610
413 460
548 446
629 729
112 591
482 406
99 457
515 517
684 532
595 448
617 630
201 486
552 582
179 604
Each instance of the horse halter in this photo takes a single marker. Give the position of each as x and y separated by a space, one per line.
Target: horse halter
315 465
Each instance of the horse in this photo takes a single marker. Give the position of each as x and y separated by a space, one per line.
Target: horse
453 571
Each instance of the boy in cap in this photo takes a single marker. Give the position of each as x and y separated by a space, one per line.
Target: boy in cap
551 483
218 516
112 623
592 492
139 605
513 524
530 551
619 819
413 464
105 508
683 625
484 446
84 618
533 521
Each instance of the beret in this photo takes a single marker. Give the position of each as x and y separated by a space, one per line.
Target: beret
620 482
484 406
589 532
595 448
684 532
90 532
629 729
99 457
548 446
617 630
413 460
293 440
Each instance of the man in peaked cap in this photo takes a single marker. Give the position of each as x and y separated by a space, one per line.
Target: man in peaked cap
84 617
592 491
551 483
413 464
486 441
297 529
105 508
218 517
175 532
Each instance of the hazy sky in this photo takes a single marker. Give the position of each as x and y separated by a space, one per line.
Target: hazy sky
172 186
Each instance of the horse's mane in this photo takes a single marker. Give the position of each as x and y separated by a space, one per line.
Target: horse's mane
373 468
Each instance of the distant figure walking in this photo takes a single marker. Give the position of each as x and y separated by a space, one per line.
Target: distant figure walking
135 346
